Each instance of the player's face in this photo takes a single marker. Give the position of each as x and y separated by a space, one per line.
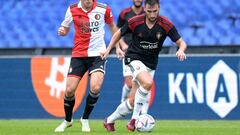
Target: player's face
87 4
137 3
152 12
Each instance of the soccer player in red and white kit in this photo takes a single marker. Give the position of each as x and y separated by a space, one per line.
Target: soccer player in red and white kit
89 18
148 33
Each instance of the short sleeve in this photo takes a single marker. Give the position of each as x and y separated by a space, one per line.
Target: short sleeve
67 22
121 21
108 15
173 34
125 29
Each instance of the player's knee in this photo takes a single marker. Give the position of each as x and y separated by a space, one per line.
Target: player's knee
95 88
147 84
69 91
128 82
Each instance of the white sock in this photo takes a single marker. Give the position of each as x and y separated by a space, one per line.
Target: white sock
122 110
141 99
146 106
125 92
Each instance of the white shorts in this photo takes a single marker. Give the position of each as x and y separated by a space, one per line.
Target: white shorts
126 69
137 67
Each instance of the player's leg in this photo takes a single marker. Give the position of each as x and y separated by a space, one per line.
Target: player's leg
126 87
122 110
127 82
92 98
131 96
144 78
69 101
74 76
96 72
146 106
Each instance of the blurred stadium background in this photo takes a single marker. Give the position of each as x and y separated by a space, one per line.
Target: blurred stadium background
33 23
205 87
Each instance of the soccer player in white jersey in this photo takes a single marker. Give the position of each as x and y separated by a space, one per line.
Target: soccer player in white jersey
89 18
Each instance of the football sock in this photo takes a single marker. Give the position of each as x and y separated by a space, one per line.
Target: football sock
146 106
140 100
122 110
125 92
90 103
68 107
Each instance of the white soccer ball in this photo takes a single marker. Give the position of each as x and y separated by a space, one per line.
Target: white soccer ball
145 123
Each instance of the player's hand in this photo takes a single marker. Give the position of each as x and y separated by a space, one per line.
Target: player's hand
62 31
104 54
124 47
120 54
181 55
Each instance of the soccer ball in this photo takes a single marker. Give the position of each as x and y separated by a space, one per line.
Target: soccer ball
145 123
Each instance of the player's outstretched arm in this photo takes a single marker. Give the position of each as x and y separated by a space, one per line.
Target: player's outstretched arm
181 51
116 37
123 45
63 31
113 28
119 52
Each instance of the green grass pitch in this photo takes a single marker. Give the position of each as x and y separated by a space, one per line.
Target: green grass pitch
162 127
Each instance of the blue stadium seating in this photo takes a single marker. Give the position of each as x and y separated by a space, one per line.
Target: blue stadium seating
34 23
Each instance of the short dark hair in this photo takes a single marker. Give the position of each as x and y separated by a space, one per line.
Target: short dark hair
151 2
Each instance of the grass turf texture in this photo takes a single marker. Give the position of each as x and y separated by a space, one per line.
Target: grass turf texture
162 127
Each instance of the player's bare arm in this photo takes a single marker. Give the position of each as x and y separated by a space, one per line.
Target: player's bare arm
119 52
123 45
63 31
113 28
116 37
182 47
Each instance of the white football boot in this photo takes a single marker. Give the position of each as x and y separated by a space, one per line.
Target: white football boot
63 126
85 125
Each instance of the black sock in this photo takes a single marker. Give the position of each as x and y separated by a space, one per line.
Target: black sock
90 103
68 107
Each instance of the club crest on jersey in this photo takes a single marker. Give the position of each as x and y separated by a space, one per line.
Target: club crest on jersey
97 16
158 35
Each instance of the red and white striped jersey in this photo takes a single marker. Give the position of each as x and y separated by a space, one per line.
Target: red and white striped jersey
89 28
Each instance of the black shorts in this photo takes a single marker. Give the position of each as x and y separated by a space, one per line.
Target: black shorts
79 66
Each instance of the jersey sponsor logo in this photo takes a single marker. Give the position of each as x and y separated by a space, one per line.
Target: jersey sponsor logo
87 27
221 88
148 45
49 81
